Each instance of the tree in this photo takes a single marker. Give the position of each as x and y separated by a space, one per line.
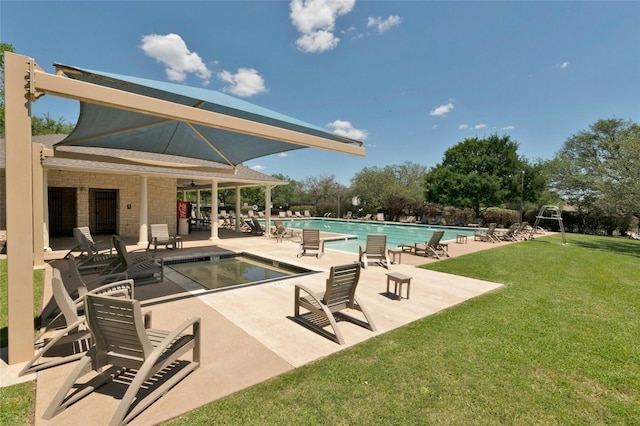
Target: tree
390 188
599 168
283 195
479 173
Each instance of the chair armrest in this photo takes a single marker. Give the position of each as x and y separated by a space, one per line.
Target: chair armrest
304 288
173 335
124 287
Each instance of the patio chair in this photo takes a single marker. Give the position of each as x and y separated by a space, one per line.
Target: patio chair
85 243
367 217
375 248
487 235
339 294
521 232
66 338
297 213
509 234
149 360
380 217
142 267
255 226
160 237
281 231
433 247
307 213
92 256
311 241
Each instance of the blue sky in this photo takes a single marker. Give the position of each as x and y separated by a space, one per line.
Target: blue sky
408 78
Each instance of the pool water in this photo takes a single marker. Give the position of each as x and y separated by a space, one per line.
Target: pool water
397 234
232 270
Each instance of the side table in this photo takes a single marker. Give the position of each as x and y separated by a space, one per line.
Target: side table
393 252
398 280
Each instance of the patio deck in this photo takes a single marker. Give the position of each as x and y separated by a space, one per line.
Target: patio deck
248 335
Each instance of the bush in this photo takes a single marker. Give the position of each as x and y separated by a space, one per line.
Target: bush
503 217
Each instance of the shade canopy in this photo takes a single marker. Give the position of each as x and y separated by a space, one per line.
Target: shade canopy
219 140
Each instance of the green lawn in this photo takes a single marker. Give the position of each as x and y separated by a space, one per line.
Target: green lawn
558 344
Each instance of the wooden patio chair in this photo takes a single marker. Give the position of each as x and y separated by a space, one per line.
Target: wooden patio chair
311 241
66 338
375 248
142 267
433 247
487 235
160 237
340 294
122 341
92 257
85 244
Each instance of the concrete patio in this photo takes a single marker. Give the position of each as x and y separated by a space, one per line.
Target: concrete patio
248 335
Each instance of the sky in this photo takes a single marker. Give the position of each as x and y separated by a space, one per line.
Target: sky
409 79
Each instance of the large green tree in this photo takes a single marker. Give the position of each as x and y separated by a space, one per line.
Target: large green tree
390 188
480 173
599 168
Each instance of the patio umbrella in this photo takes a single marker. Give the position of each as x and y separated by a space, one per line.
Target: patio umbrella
243 131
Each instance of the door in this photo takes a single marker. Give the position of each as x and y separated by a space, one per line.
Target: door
62 211
103 210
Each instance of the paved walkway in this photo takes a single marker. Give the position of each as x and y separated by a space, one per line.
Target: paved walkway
248 334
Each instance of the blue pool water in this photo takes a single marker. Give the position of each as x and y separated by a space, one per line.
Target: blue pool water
397 234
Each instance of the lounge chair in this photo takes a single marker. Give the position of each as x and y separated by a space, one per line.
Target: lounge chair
521 232
311 241
92 257
509 234
348 215
433 247
380 217
85 243
282 214
123 343
289 213
375 248
160 237
307 213
255 226
66 338
338 296
633 235
367 217
143 267
281 231
297 213
487 235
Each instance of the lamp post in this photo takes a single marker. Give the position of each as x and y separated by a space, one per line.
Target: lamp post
522 196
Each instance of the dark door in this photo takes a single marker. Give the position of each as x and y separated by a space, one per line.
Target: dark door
62 211
103 210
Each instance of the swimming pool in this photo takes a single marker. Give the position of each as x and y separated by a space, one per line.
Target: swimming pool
397 234
232 269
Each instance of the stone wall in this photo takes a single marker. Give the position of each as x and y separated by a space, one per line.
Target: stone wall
161 194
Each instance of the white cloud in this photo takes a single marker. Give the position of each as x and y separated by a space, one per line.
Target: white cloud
564 65
316 20
346 129
479 126
171 51
257 168
442 109
463 126
282 154
508 128
383 25
246 82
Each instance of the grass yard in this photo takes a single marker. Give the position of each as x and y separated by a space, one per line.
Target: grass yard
557 345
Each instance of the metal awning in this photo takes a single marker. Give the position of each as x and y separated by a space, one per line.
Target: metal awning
241 131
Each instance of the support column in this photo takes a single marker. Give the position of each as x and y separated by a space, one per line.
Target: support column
143 233
19 184
198 214
238 216
267 210
214 211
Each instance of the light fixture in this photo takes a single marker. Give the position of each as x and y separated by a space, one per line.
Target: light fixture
192 184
